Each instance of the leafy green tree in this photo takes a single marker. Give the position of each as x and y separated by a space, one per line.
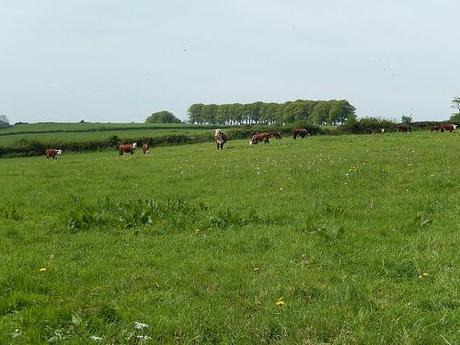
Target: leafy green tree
269 113
4 123
162 117
406 119
456 103
347 111
236 113
455 118
209 113
320 114
195 113
223 113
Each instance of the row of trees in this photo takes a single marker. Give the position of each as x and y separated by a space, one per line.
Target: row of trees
318 112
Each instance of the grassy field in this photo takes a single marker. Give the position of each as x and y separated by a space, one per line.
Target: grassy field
99 135
334 239
81 132
42 127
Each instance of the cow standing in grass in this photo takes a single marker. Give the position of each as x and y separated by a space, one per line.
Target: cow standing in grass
52 153
299 132
127 148
403 128
265 137
220 139
447 127
145 148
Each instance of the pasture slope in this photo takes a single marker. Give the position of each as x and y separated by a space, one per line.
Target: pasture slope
333 239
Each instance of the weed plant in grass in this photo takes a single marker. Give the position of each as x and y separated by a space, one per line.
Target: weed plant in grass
342 240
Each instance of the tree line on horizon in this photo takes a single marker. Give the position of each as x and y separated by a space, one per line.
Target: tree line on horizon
333 112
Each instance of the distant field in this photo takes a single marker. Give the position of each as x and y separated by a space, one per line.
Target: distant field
86 126
330 240
99 135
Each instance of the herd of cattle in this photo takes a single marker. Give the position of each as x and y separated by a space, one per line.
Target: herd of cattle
220 138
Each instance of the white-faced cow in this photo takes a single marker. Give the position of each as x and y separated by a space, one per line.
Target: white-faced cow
220 139
127 148
447 127
145 148
52 153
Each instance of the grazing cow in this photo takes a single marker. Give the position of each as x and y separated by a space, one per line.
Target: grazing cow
265 137
404 128
369 131
435 128
299 131
145 148
447 127
220 139
127 148
52 153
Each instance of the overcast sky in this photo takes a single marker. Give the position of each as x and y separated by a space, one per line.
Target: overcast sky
119 61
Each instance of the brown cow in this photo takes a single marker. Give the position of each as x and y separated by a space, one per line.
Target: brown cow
299 131
404 128
435 128
145 148
220 139
127 148
52 153
265 137
447 127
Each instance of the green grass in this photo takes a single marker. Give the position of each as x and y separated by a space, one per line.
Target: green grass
82 132
357 235
86 126
97 135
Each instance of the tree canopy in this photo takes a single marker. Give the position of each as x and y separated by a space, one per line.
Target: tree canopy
162 117
406 119
4 123
456 103
455 118
318 112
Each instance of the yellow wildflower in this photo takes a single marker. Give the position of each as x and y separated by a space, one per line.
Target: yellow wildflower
280 302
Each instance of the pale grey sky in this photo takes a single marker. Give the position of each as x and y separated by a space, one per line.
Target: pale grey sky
119 61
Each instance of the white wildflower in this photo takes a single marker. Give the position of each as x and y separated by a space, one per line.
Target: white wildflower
140 325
